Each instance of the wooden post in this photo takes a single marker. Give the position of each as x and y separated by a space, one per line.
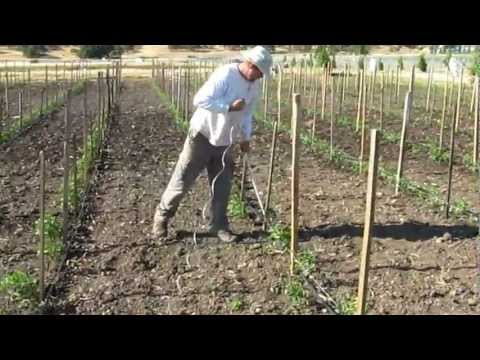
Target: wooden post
360 97
382 90
429 87
406 118
450 98
265 101
476 125
270 172
342 98
244 178
364 120
397 94
369 221
474 91
315 101
20 107
324 92
85 134
42 95
459 100
42 222
279 95
411 85
450 163
7 110
444 109
46 86
332 114
372 92
296 113
75 170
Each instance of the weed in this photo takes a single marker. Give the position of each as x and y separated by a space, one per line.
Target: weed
279 235
52 230
293 288
236 304
347 305
236 207
19 287
305 262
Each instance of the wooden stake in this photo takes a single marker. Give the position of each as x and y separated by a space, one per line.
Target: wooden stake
360 98
42 226
270 171
382 90
406 119
315 101
364 120
476 124
332 114
429 87
75 186
244 178
296 113
459 100
444 109
369 221
474 91
20 107
450 163
324 93
397 94
85 134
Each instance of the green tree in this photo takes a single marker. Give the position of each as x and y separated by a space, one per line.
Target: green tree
32 51
422 63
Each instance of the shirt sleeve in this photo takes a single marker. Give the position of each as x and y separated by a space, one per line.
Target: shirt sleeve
211 95
247 120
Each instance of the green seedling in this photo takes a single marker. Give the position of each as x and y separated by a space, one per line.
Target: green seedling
19 287
236 304
279 235
347 306
305 263
293 288
52 230
236 207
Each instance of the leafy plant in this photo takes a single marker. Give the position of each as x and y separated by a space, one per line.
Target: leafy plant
52 229
19 287
305 262
347 306
236 207
279 235
236 304
293 288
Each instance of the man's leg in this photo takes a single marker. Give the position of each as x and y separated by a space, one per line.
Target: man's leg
222 188
192 160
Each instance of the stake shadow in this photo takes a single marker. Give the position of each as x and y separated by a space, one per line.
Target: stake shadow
410 231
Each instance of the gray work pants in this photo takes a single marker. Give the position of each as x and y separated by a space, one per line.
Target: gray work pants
197 154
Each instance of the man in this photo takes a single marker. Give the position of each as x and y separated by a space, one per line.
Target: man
225 105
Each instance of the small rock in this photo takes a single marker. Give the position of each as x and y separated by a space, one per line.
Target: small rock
472 302
258 310
439 240
447 236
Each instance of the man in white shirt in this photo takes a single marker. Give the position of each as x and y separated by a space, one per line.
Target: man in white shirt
224 114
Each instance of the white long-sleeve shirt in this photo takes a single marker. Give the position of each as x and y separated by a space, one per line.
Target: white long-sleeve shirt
212 119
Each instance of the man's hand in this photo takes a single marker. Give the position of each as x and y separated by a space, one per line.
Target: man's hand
245 146
237 105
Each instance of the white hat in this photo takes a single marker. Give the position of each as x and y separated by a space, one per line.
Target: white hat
260 57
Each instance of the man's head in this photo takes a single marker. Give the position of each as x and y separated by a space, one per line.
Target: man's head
257 63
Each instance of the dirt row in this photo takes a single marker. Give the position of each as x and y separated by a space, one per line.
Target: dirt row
19 183
421 264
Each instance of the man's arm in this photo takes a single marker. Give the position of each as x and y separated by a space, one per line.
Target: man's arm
211 95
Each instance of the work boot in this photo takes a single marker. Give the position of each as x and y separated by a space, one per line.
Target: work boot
160 227
226 236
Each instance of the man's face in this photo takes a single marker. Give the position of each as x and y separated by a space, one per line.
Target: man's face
253 72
